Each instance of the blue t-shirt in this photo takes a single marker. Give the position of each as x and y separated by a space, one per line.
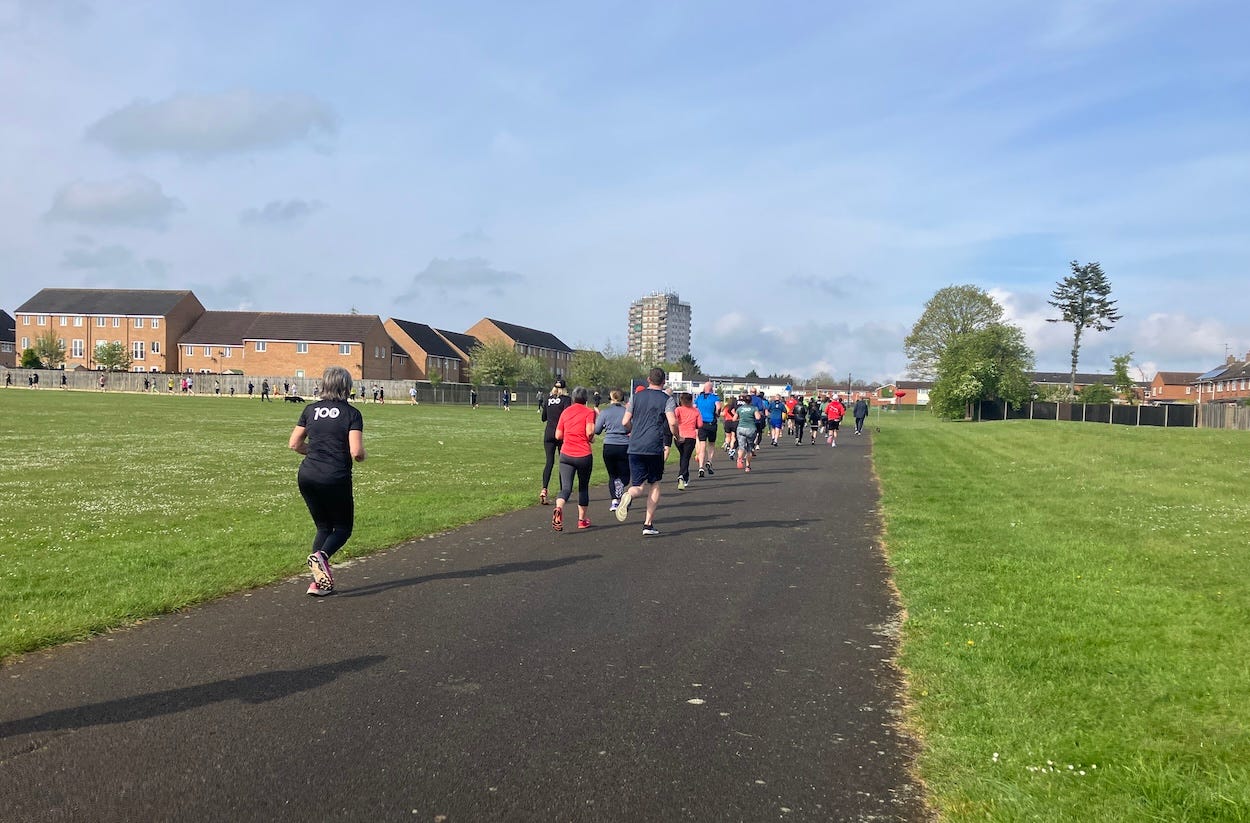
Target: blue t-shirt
776 410
648 421
706 404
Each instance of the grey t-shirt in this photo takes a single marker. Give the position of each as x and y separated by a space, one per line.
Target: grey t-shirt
648 420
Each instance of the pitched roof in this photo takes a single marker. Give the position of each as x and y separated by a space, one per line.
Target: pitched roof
1082 378
148 302
8 328
220 328
465 343
531 337
913 384
325 328
1218 371
1178 378
428 339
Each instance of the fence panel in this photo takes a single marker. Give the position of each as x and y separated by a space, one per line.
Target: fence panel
1171 415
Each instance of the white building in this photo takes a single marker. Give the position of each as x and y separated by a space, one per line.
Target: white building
659 328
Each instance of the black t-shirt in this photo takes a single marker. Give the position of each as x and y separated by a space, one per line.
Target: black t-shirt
327 422
551 411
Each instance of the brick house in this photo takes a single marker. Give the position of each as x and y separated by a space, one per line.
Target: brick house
427 352
8 340
527 343
147 322
1228 383
914 393
464 344
1173 387
301 345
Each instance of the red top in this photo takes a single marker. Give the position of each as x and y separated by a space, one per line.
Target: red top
688 421
835 410
572 426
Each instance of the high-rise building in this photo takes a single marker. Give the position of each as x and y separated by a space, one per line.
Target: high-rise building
659 328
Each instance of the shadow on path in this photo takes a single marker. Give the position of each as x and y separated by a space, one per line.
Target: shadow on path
748 524
485 571
252 688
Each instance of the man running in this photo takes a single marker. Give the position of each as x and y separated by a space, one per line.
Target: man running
648 416
709 406
834 413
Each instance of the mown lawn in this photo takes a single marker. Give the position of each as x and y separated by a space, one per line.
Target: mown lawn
1077 603
115 507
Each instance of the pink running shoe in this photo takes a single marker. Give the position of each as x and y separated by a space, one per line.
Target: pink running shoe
320 566
317 591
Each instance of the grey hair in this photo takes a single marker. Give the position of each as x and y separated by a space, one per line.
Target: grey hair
336 383
580 394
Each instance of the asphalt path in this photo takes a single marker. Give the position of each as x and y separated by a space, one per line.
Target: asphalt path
736 667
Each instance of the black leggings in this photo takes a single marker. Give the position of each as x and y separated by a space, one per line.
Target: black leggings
684 450
798 428
549 446
616 461
333 511
580 466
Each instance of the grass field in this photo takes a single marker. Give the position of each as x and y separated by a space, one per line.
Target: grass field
1078 602
115 507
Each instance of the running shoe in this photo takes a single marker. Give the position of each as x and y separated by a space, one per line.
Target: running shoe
615 503
319 564
681 483
649 531
317 591
741 464
583 524
557 519
701 473
747 470
709 470
622 510
542 497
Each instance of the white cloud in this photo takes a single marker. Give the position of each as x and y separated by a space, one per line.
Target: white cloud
453 278
209 125
133 200
279 212
104 257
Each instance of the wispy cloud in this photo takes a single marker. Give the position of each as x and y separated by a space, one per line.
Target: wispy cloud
279 213
133 200
459 279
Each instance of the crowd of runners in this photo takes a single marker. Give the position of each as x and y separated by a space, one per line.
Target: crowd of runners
639 432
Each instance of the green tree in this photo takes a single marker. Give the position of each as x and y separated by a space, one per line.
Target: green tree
113 357
623 370
1123 382
751 375
588 368
30 359
1083 299
950 313
1096 394
688 366
986 364
434 378
535 372
50 350
495 363
819 380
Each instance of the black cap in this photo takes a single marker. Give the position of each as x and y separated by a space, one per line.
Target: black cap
560 383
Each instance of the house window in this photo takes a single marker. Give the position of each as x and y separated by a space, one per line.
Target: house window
138 322
64 320
1219 386
260 345
6 347
299 372
156 322
1189 389
345 348
101 322
25 319
156 347
136 350
76 348
117 322
208 351
188 351
301 348
229 352
41 319
78 322
25 343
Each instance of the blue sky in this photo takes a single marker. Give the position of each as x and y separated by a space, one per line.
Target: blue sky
805 175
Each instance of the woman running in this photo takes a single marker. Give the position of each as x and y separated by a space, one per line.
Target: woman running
689 419
729 415
750 419
615 446
557 402
800 419
330 435
575 430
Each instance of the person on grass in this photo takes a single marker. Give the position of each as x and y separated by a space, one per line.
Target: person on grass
549 412
575 431
330 435
689 419
750 421
615 446
648 416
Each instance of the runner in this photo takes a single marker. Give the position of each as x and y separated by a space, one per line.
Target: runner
729 414
575 431
330 435
689 420
709 405
815 417
758 401
791 403
550 411
834 413
750 421
649 414
615 446
800 420
776 413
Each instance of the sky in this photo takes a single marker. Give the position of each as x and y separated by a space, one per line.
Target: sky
805 175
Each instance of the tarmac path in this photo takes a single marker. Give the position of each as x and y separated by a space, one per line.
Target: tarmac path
736 667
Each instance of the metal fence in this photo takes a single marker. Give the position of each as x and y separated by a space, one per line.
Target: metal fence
1165 415
236 385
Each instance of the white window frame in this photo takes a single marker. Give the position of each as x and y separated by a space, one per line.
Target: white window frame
156 347
78 321
188 351
77 348
117 322
138 322
25 343
261 345
156 322
64 319
136 350
41 319
229 352
25 319
101 322
208 351
301 348
345 348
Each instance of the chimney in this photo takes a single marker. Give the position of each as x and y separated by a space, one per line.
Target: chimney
1230 359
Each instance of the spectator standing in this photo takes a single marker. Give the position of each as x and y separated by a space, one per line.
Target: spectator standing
264 391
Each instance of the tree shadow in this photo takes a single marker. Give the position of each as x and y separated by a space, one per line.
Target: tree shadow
252 688
466 574
676 530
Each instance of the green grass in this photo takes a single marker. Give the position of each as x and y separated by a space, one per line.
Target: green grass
117 507
1078 600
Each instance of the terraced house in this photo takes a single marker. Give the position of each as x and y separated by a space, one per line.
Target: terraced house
8 340
527 342
427 352
147 322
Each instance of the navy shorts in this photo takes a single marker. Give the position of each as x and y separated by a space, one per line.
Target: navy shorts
707 432
645 468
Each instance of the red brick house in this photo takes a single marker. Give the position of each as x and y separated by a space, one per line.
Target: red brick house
1228 383
1173 387
426 352
8 341
527 342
